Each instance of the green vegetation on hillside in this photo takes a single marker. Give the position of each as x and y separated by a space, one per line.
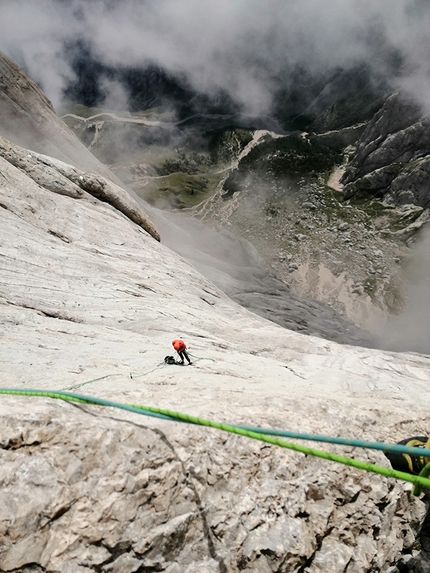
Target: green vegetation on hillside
226 144
291 156
191 173
177 190
183 162
161 162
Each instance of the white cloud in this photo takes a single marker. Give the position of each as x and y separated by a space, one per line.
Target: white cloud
241 46
411 329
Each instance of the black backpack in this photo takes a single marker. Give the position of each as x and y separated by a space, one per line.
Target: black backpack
409 463
169 360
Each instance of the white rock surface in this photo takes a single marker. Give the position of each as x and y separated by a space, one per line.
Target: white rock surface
61 178
88 298
90 301
83 490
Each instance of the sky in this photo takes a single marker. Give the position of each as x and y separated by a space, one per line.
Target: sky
244 47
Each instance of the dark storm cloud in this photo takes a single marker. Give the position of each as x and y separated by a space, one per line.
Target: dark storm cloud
245 47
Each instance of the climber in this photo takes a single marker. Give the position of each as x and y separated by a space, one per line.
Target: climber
409 463
180 347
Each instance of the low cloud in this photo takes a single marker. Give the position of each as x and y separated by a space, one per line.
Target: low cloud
115 95
243 47
410 330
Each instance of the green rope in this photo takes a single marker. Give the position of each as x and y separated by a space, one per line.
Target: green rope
257 435
425 472
198 358
89 382
160 365
343 441
420 480
79 398
178 417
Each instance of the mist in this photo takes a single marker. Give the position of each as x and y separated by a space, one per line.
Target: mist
245 48
410 330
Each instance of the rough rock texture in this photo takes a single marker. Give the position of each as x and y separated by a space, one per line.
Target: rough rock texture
82 490
392 158
90 302
85 493
58 177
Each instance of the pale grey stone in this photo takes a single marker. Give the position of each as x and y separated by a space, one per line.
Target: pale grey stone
343 226
89 301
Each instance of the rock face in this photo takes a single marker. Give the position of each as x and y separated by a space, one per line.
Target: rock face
95 494
85 491
392 158
89 300
28 119
58 177
231 263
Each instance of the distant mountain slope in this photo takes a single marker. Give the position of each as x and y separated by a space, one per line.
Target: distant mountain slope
302 99
393 156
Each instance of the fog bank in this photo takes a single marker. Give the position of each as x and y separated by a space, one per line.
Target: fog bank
243 47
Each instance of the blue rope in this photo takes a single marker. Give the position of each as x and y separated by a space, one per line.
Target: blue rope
343 441
150 411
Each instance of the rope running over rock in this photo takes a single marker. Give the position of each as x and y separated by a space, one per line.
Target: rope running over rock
260 434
